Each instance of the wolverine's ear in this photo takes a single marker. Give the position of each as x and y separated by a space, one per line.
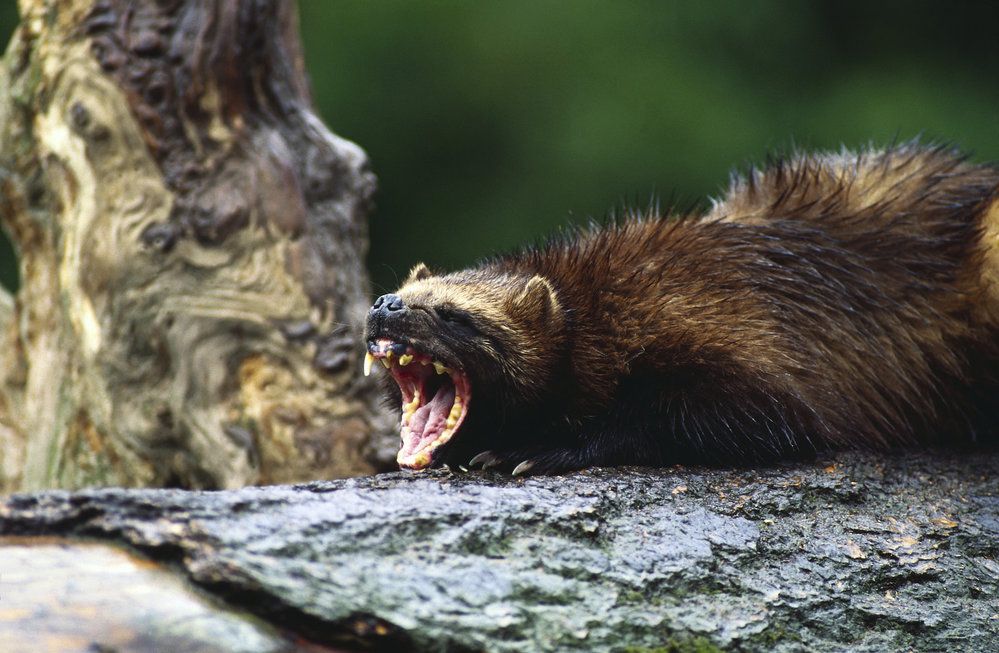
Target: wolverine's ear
538 300
419 272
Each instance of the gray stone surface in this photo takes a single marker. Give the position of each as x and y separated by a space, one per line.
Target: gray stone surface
864 552
58 596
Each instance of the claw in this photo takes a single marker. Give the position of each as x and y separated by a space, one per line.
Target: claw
523 467
486 458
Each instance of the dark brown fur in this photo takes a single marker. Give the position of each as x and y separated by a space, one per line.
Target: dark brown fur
825 301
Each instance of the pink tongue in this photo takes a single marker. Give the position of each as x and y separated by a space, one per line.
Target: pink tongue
429 419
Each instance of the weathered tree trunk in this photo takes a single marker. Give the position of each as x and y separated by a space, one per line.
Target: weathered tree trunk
869 553
191 243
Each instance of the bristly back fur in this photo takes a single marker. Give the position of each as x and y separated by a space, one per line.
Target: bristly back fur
824 301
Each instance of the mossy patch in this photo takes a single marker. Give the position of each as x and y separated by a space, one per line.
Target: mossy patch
692 645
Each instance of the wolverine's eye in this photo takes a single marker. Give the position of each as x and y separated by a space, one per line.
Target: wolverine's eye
456 318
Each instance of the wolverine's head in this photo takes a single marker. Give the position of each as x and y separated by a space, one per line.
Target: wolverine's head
459 343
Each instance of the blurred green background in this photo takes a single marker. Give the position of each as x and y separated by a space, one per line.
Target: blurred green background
490 123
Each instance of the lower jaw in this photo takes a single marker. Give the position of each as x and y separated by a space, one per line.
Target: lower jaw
470 440
422 459
416 462
430 455
429 450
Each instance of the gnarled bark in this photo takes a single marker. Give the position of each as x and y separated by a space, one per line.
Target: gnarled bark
191 241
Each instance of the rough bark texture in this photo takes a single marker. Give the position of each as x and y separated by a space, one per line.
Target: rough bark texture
191 243
863 553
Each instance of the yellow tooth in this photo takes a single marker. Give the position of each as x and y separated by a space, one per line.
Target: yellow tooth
405 359
445 434
452 418
439 367
457 401
412 405
419 460
388 353
385 362
424 362
368 359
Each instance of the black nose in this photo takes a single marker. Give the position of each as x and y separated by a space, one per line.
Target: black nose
388 304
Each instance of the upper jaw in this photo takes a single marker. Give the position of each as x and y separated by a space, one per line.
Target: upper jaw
392 352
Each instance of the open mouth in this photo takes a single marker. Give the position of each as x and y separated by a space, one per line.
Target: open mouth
434 399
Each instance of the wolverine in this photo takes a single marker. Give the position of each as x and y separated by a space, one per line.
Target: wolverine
825 301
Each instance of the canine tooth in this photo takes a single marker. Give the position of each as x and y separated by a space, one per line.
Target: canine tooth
388 352
385 362
439 367
368 360
405 359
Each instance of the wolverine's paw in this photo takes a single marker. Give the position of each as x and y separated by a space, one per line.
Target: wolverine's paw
526 462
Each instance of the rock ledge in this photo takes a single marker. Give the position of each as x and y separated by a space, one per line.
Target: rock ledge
865 552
